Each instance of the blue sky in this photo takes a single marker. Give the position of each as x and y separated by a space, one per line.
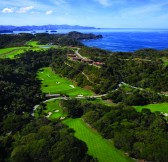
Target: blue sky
97 13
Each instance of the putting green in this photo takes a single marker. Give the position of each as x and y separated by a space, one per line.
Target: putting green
98 147
54 108
54 84
162 107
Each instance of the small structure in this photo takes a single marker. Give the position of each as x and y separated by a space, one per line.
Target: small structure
98 63
87 60
71 55
52 95
77 59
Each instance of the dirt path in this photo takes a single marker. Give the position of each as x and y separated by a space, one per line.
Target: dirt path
82 73
79 55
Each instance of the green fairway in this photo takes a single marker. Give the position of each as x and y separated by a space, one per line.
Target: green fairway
32 43
54 108
54 84
98 147
165 60
6 50
162 107
13 51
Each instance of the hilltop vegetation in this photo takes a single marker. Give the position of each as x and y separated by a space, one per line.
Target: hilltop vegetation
70 39
141 134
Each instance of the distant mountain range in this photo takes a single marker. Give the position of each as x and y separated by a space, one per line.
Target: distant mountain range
43 27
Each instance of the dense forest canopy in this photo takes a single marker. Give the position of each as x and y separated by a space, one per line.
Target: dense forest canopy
24 138
142 135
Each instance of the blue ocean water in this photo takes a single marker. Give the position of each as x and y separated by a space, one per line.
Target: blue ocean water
129 40
125 40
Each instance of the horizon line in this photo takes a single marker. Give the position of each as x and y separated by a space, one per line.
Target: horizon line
92 26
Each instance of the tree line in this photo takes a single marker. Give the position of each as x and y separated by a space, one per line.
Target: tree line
143 135
24 138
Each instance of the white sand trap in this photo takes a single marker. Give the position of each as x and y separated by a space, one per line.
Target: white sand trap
165 114
80 95
56 110
62 118
72 86
49 114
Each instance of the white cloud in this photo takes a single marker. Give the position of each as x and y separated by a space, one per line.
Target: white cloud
35 12
7 10
25 9
49 12
58 2
105 3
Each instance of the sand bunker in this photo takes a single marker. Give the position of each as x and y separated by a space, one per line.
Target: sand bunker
72 86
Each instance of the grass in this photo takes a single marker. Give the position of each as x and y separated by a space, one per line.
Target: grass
6 50
54 84
53 106
32 43
12 52
162 107
165 60
126 87
98 147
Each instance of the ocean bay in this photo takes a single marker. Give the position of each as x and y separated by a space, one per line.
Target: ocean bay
130 40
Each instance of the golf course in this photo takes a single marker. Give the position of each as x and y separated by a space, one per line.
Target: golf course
162 107
98 147
54 110
12 52
54 84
